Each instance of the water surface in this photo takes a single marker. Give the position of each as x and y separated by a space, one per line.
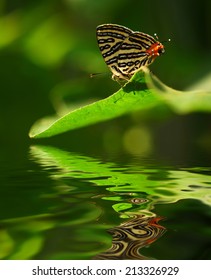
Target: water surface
63 205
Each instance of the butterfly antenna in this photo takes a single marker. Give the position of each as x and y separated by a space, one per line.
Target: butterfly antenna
93 75
169 40
156 36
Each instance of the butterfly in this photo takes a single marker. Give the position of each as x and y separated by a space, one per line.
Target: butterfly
125 51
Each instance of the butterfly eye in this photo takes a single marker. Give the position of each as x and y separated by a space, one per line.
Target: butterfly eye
161 51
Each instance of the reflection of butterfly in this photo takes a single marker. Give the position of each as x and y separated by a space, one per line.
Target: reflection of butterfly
126 51
131 236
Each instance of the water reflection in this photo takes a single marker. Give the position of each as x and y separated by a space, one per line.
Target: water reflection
155 184
69 206
131 236
127 190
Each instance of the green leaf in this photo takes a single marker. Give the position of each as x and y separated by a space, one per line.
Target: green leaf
181 102
143 92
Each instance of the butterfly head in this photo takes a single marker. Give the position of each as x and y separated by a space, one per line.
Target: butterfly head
156 49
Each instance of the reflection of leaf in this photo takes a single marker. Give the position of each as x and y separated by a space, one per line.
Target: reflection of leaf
154 185
143 92
7 244
118 207
25 238
35 245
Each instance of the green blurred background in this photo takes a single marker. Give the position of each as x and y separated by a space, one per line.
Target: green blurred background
49 48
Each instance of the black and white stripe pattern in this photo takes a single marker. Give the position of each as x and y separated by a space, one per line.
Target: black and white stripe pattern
130 237
124 50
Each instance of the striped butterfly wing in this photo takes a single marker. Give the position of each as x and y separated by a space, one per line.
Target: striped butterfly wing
134 53
110 38
124 50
